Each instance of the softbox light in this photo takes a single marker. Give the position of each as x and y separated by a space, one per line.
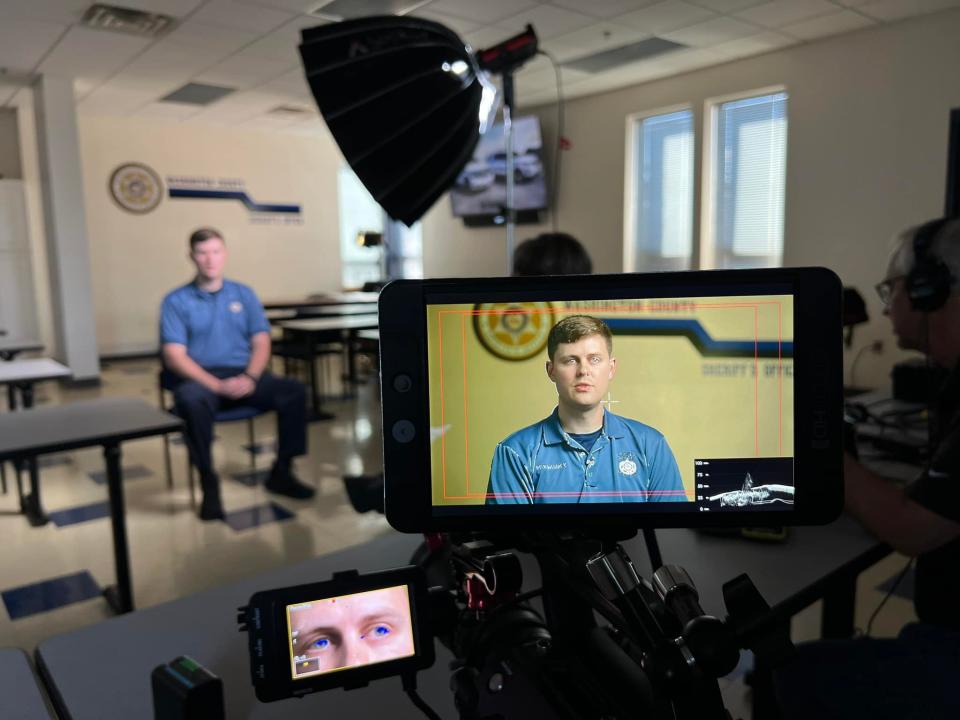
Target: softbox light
404 99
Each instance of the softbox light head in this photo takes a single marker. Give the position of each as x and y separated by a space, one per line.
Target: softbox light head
404 99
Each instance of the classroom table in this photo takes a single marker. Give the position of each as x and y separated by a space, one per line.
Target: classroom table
21 375
812 563
107 422
309 332
322 300
10 347
21 695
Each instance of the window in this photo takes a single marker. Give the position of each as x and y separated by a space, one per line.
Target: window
660 231
359 213
749 180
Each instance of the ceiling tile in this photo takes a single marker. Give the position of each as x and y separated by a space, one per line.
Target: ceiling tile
547 20
110 100
485 37
173 62
727 6
193 33
167 110
592 39
899 9
174 8
459 26
483 13
59 11
24 42
783 12
92 53
664 17
711 32
241 16
300 7
244 71
753 45
283 43
833 24
604 8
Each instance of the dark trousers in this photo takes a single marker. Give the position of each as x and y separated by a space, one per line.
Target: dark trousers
910 677
198 407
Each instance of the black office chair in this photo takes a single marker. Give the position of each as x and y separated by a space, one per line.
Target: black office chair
166 382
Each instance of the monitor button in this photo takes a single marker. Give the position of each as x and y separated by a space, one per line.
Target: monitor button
403 431
402 383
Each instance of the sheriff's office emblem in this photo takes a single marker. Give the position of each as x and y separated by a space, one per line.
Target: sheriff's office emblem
236 306
513 331
628 466
136 188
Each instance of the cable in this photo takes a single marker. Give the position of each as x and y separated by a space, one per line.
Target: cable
557 154
410 687
901 576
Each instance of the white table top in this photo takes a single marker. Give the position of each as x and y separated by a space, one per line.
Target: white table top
348 322
15 344
32 370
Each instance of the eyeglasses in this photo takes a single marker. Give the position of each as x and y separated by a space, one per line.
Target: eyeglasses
885 288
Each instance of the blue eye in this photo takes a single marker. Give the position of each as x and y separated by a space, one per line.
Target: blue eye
381 630
322 643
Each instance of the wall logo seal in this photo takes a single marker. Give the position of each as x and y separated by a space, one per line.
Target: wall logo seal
136 188
513 331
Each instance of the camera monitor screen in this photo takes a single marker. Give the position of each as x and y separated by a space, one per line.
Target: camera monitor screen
682 400
572 397
349 631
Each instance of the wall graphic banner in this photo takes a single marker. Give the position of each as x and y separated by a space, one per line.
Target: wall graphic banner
137 188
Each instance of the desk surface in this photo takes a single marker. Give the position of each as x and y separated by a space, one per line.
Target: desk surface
203 626
322 300
17 345
58 428
32 370
350 322
20 694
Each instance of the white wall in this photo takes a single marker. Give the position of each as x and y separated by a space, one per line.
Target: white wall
866 156
138 258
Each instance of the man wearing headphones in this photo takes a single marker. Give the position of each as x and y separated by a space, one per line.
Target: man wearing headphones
915 674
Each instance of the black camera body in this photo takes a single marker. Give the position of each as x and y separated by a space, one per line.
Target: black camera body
282 665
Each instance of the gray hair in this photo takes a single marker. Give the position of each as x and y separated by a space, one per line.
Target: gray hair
945 247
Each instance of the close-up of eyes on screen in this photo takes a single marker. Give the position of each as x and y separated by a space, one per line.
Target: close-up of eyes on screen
339 633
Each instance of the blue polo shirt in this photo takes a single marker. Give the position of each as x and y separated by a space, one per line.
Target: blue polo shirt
216 327
629 462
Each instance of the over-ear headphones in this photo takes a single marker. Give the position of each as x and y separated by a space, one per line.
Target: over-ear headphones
928 284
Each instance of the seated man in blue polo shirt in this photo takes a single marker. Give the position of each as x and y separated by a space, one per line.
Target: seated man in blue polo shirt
583 453
215 339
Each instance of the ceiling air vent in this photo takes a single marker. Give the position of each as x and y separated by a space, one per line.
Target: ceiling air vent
197 94
127 20
347 9
609 59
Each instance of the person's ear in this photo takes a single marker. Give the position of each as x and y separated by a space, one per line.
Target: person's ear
613 367
549 368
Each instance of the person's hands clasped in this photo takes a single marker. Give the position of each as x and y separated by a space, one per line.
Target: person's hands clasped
237 387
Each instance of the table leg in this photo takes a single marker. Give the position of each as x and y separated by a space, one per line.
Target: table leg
839 602
119 596
31 503
316 413
352 380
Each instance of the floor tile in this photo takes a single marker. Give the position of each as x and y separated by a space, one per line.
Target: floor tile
134 472
80 514
257 515
50 594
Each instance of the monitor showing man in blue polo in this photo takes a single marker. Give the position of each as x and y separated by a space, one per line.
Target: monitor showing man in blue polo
582 452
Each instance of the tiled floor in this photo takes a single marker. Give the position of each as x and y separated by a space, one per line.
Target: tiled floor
174 554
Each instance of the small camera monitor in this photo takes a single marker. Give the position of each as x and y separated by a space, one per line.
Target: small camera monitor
662 400
341 633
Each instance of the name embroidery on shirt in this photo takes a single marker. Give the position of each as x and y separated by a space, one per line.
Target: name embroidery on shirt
557 466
